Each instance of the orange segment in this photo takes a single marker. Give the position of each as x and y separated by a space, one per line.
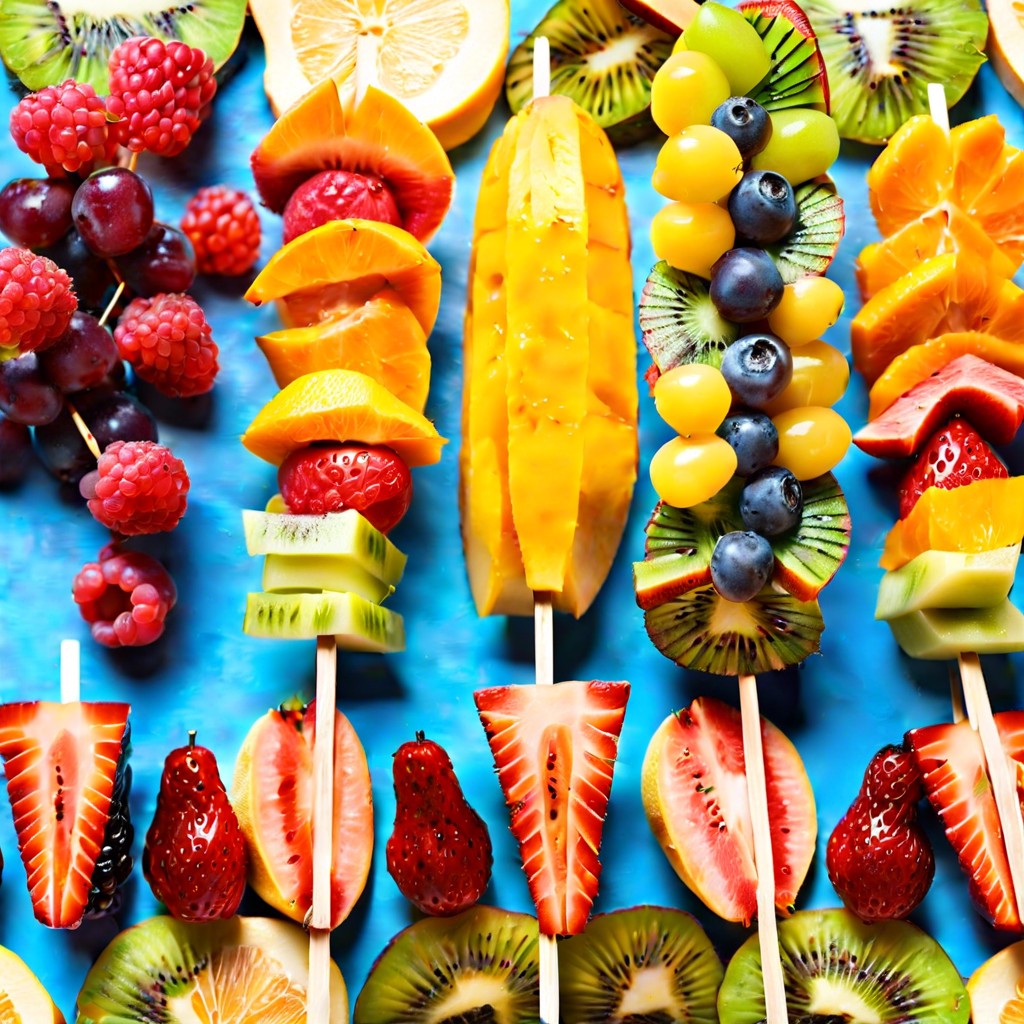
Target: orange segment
921 361
982 516
978 149
381 338
340 405
336 268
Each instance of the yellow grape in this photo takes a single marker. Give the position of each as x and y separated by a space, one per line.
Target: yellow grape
689 470
820 377
812 440
692 399
691 236
809 307
680 46
700 164
686 90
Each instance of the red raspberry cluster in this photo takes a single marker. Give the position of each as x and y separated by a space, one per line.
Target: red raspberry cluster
36 300
224 229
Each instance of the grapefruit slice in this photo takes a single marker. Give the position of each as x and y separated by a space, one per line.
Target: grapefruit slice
1006 51
23 1000
247 970
335 268
443 59
340 405
554 749
273 798
695 796
380 338
376 136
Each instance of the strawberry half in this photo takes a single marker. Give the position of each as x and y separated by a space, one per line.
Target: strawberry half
61 763
554 749
952 765
954 456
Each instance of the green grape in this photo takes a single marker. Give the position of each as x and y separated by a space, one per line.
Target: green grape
804 144
733 42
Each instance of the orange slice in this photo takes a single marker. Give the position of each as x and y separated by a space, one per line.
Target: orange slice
921 361
340 405
1006 44
336 268
381 338
982 516
944 294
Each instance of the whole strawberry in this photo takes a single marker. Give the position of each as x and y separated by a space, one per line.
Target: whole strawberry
879 859
195 860
439 853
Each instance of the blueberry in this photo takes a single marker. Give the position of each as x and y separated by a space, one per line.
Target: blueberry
772 501
757 367
745 285
762 207
741 565
746 122
753 438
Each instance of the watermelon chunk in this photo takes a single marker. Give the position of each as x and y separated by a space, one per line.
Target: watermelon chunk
554 749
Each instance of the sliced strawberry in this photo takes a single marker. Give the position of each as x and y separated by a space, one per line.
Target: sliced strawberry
554 748
954 456
952 765
61 766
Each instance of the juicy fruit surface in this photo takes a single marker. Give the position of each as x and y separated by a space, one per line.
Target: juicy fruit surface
939 634
248 970
273 795
694 793
22 998
61 765
555 754
995 988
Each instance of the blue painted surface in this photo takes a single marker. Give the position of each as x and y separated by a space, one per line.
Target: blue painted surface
206 675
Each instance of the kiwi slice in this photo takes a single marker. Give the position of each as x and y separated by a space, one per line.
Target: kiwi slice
479 967
678 321
603 57
646 964
811 246
701 631
881 59
839 969
46 41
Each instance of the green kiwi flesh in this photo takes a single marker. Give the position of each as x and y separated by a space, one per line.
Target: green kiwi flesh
820 224
678 321
881 58
43 44
602 56
838 969
797 76
645 965
701 631
480 967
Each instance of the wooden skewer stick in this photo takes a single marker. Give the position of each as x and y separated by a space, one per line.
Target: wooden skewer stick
70 671
367 55
757 798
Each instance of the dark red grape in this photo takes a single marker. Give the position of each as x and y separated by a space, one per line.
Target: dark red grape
111 416
82 357
15 452
26 396
113 211
165 262
36 212
93 278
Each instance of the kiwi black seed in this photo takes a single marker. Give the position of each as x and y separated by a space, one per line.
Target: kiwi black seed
702 631
678 321
838 969
479 967
881 59
812 244
43 43
602 56
646 964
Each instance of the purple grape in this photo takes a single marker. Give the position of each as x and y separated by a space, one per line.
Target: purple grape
26 396
113 211
15 452
93 278
741 564
111 416
165 262
762 207
745 285
36 212
82 357
772 502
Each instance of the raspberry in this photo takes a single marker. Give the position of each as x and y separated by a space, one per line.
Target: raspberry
137 487
224 229
160 91
169 343
36 300
65 128
124 596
